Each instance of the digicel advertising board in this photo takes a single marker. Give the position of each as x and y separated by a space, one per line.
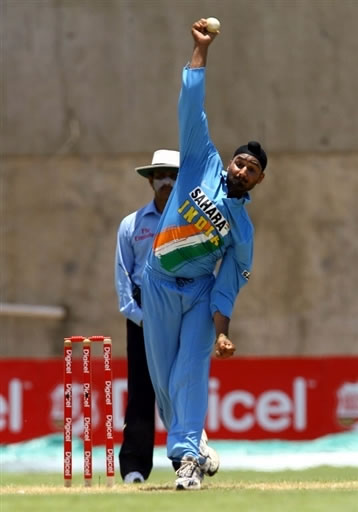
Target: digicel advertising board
249 398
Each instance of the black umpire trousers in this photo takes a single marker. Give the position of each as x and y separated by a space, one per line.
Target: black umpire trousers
136 453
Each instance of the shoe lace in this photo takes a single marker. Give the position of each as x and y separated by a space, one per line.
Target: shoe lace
187 468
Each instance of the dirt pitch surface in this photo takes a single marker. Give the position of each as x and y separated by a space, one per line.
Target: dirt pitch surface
120 489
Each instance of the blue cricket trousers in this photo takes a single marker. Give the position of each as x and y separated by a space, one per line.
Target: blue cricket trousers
179 335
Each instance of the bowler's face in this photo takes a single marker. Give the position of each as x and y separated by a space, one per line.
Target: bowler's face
243 174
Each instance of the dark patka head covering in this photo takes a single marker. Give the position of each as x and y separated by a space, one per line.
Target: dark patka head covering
253 148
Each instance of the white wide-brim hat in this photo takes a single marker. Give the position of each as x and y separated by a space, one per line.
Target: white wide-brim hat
162 159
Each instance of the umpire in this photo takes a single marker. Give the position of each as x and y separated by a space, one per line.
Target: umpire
134 240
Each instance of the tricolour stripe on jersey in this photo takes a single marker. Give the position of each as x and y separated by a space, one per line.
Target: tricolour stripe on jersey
174 234
173 252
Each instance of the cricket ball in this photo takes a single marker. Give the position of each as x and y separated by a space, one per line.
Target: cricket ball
213 25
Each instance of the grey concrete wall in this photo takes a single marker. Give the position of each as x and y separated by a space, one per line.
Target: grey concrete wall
283 71
89 90
61 217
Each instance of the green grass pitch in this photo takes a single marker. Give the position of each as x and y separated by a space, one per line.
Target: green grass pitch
320 489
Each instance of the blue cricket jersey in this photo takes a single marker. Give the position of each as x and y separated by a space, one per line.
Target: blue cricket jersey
200 224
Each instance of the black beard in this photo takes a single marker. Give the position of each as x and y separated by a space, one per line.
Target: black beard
236 187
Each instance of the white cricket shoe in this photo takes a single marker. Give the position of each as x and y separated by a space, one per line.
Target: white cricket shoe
212 460
189 474
134 477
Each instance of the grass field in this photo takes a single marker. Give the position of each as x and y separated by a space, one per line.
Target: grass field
321 489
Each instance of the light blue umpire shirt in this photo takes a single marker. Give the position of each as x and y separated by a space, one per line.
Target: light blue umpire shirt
134 240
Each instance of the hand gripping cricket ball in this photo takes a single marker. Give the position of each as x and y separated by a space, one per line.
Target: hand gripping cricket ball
213 25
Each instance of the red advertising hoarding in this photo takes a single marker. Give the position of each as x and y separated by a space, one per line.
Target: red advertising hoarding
249 398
